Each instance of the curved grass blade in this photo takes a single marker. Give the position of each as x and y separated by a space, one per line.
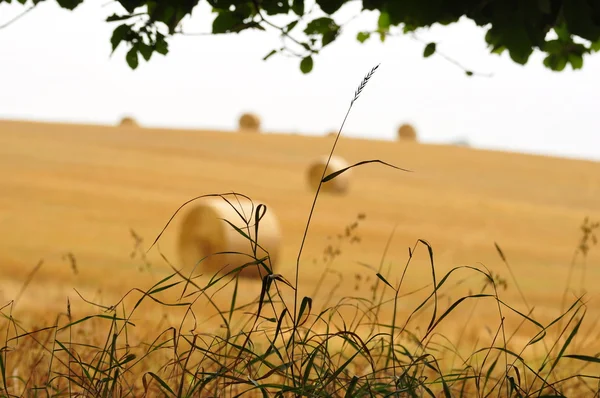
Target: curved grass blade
337 173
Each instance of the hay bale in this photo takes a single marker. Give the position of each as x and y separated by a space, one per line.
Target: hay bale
128 121
332 133
249 122
204 233
407 132
339 185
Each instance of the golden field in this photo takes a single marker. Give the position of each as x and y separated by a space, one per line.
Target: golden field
80 189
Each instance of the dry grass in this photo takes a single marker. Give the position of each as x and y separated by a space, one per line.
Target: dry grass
81 189
58 178
339 185
369 317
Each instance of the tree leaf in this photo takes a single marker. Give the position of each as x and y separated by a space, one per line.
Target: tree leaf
269 55
145 50
115 17
306 65
69 4
329 37
330 6
576 61
556 62
161 46
383 23
291 25
363 36
298 7
226 22
132 58
119 34
429 50
320 26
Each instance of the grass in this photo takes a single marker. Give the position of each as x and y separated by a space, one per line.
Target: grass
283 343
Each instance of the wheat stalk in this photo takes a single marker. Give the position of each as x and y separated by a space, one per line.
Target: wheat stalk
364 83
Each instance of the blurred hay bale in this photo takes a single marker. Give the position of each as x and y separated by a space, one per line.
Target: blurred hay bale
407 132
249 122
204 233
339 185
332 133
128 121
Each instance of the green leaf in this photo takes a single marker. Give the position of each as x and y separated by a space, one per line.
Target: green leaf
145 50
363 36
306 65
298 7
69 4
429 50
119 34
562 31
576 61
383 23
225 22
555 62
161 46
498 50
329 37
291 25
269 55
132 58
595 46
320 26
468 73
115 17
330 6
553 46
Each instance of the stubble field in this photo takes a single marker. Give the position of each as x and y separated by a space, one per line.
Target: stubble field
72 194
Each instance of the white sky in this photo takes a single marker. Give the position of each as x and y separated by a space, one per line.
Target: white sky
55 66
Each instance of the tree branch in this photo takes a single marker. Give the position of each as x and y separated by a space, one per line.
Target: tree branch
15 19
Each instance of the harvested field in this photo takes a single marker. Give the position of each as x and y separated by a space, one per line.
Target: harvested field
81 189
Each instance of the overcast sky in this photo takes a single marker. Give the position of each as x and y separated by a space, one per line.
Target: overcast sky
55 65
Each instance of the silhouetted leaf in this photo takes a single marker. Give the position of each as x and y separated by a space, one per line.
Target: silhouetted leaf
145 50
226 22
161 46
269 55
298 7
429 50
69 4
119 34
132 58
330 6
115 17
306 65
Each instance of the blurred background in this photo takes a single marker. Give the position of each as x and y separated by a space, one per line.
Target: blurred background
55 65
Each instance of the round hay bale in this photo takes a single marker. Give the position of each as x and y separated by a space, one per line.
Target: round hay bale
332 133
407 132
204 233
128 121
249 122
339 185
